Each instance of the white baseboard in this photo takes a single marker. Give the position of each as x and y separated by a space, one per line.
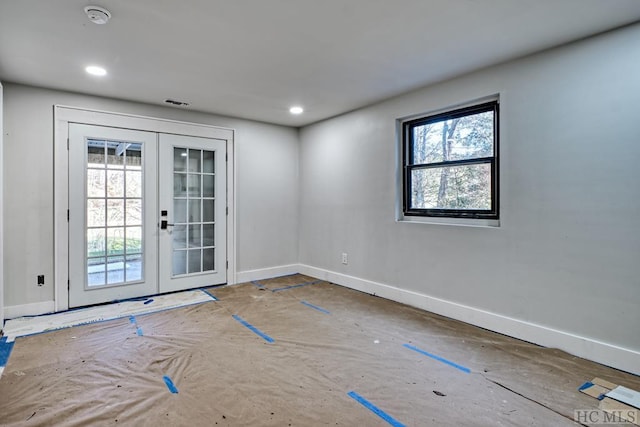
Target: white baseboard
33 309
266 273
608 354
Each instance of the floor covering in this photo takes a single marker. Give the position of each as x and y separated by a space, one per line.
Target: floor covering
292 351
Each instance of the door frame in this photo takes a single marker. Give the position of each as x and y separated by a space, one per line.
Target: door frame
63 115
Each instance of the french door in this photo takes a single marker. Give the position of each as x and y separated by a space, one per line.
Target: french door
146 213
192 212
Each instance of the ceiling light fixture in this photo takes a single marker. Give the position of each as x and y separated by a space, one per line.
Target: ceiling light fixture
97 15
95 70
296 110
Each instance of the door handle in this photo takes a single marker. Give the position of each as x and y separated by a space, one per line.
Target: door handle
164 224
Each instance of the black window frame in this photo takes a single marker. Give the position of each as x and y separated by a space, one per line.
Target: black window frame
408 166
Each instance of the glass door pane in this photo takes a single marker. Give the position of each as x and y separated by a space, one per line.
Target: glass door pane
114 213
193 245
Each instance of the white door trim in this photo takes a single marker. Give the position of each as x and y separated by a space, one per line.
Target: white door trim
63 115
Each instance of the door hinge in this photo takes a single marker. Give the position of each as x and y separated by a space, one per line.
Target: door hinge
67 215
68 284
227 210
227 265
67 144
226 157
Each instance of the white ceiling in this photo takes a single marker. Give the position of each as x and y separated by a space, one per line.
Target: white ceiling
256 58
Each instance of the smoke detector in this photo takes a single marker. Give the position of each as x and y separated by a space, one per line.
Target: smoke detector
97 14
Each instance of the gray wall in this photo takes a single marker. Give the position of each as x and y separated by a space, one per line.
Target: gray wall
266 186
567 253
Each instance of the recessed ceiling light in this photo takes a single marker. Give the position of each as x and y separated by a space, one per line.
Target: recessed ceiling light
296 110
96 71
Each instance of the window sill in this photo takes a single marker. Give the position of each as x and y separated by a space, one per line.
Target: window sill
461 222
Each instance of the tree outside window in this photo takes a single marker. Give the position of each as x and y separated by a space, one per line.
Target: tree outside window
450 164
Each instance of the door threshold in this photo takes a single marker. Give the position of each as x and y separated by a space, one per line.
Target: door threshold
24 326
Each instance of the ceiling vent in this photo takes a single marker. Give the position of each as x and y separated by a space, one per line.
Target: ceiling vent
178 103
97 14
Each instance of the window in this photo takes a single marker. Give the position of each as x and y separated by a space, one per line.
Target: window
450 163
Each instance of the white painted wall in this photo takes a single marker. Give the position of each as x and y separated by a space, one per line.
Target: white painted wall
566 257
266 188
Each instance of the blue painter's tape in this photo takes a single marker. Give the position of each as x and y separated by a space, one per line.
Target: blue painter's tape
149 301
134 322
258 284
315 307
438 358
373 408
296 286
255 330
5 351
210 294
170 385
585 386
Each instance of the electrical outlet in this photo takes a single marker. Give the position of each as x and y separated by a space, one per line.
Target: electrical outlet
345 258
40 279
